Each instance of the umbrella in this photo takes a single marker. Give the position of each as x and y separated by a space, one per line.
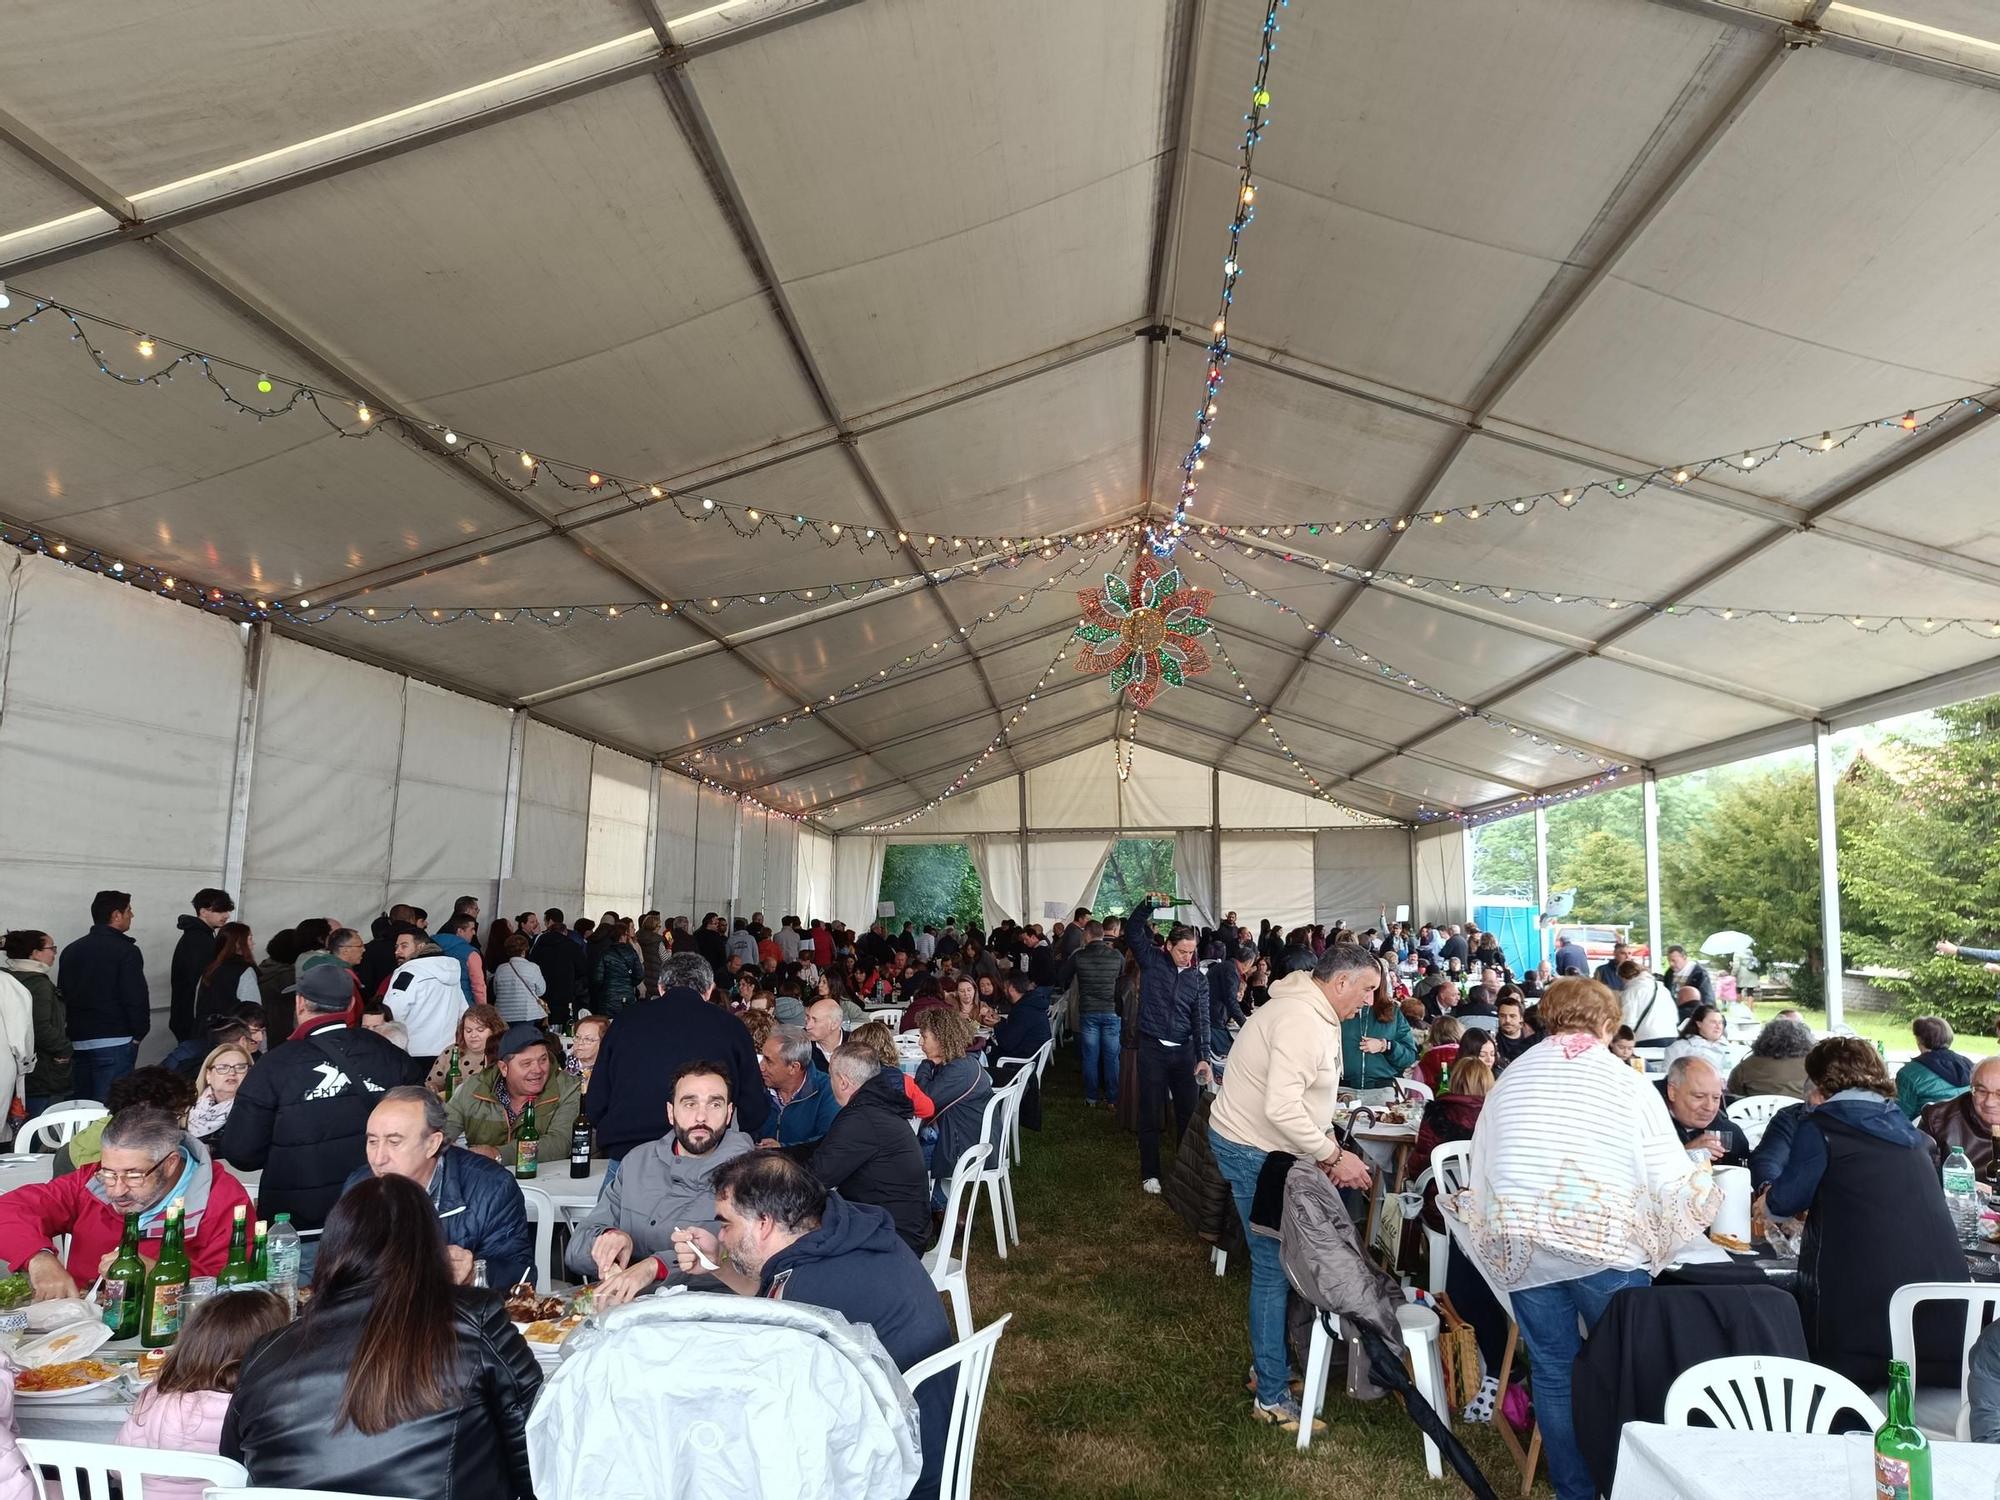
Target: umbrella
1728 942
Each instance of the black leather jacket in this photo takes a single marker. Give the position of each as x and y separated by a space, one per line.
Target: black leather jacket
280 1422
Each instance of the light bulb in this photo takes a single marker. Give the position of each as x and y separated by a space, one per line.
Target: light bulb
1749 460
264 384
527 460
145 348
1680 476
752 514
364 413
1567 497
5 300
450 438
706 503
1249 192
1909 422
654 490
1825 441
595 478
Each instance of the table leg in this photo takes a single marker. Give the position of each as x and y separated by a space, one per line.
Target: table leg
1527 1459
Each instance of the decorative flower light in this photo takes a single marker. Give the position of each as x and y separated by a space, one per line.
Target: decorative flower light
1143 631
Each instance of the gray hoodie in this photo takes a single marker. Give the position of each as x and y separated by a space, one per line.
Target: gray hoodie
655 1192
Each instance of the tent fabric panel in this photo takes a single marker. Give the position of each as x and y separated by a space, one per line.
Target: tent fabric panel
614 860
1164 791
857 879
322 790
451 791
1078 791
750 861
551 827
715 853
1270 874
674 849
1360 876
1443 874
814 892
1062 875
117 746
781 871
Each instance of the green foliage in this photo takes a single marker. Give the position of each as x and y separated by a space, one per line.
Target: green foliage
1608 873
930 883
1135 866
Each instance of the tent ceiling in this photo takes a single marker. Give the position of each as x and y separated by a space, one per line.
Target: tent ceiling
893 264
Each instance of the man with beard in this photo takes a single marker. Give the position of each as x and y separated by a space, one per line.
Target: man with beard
661 1187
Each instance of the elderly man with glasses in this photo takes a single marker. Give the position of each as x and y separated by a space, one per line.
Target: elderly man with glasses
148 1162
1969 1122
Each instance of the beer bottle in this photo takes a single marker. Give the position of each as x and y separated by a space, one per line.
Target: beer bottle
529 1143
239 1271
260 1257
1902 1452
166 1285
579 1148
124 1285
451 1075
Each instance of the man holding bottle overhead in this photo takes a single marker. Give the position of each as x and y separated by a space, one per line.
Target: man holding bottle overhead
149 1163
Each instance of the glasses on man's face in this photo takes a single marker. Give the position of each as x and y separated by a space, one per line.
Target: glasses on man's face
1986 1096
131 1179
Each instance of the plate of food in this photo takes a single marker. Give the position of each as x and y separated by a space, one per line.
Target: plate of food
69 1378
545 1335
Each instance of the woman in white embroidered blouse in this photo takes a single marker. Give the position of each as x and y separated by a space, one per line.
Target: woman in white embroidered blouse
1579 1188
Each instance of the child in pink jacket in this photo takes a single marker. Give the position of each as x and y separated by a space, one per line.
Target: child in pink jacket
183 1408
16 1483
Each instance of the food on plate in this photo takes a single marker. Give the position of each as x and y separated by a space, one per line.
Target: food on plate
67 1376
584 1303
550 1330
15 1291
526 1305
150 1361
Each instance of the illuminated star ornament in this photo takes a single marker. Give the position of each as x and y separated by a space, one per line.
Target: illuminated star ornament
1143 631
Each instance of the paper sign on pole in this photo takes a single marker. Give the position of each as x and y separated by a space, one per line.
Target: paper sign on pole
885 908
1054 911
1402 912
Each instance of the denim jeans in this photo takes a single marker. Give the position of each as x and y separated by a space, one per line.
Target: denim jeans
97 1068
1548 1317
1101 1037
1268 1289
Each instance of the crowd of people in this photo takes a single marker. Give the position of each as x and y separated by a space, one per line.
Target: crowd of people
760 1119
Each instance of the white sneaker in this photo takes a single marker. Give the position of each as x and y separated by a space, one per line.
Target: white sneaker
1150 1185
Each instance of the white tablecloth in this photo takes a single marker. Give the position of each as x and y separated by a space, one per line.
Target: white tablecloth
1700 1463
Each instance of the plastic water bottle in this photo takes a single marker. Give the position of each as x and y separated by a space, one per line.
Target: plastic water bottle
1960 1198
283 1249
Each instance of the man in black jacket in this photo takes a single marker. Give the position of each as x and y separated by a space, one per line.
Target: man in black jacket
869 1154
561 961
1173 1033
630 1086
191 955
785 1235
1095 968
103 982
378 955
301 1117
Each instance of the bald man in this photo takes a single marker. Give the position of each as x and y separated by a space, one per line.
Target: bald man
1693 1091
1971 1121
824 1026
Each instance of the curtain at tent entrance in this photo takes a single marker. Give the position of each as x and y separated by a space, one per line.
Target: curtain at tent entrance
1064 874
1194 874
814 897
998 861
857 879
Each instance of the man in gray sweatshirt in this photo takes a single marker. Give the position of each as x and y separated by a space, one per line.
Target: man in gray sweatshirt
627 1241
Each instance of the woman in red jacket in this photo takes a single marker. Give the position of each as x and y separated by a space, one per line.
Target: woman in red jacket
149 1162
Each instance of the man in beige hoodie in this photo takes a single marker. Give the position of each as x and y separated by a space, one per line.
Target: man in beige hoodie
1278 1094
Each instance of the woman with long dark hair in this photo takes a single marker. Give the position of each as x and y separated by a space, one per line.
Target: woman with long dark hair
395 1380
230 979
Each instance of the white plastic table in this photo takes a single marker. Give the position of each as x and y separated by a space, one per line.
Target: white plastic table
1702 1463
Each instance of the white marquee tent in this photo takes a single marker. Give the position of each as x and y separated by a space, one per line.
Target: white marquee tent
930 268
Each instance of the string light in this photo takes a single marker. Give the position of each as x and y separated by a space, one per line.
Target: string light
1524 803
1242 212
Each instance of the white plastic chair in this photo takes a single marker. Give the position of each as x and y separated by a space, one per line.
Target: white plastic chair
1437 1244
1765 1393
1753 1115
57 1125
1939 1411
96 1464
972 1358
1451 1165
1030 1067
1416 1088
544 1215
947 1259
269 1494
1419 1327
996 1126
893 1014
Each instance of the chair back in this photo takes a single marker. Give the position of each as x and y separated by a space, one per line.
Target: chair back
1766 1393
1982 1306
544 1215
955 1238
1754 1113
57 1125
973 1360
893 1014
1451 1164
1416 1088
97 1464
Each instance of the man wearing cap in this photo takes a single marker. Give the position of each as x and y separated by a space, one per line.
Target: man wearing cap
301 1116
490 1107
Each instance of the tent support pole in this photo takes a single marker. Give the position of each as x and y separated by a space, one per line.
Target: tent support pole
1651 791
651 897
256 658
510 810
1824 780
1543 931
1215 847
1027 906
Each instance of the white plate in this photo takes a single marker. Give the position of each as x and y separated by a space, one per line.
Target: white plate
72 1392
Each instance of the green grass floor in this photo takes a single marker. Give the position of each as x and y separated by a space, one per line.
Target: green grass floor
1893 1032
1121 1375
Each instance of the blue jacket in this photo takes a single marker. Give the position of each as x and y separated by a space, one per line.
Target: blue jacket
808 1115
1173 1003
643 1050
461 950
103 982
1793 1190
1225 987
1026 1027
480 1209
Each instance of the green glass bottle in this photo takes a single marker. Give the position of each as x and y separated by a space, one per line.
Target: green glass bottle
528 1145
1902 1452
124 1285
166 1286
451 1075
260 1257
238 1272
